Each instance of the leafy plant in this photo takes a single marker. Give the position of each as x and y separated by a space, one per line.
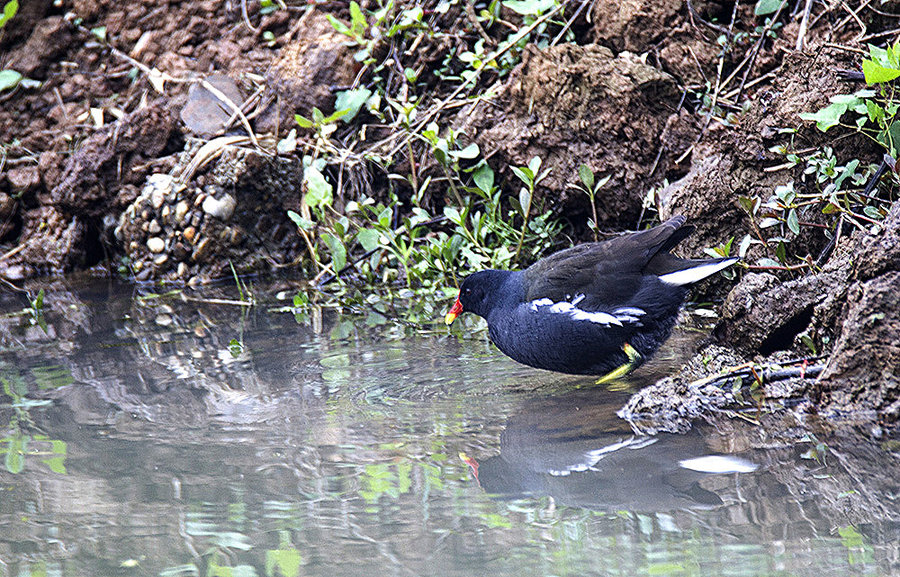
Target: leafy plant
591 188
873 111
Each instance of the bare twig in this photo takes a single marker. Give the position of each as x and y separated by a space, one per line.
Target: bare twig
804 26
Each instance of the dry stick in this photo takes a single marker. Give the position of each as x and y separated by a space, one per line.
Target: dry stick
570 22
804 26
246 17
879 35
426 118
853 14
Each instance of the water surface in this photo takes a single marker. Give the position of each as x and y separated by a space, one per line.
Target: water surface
178 436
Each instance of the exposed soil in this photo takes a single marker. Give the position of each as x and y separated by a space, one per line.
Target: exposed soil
106 165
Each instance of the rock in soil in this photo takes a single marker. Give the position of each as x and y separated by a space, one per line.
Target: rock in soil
583 104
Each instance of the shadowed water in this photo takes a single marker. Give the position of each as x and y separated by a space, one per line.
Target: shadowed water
175 436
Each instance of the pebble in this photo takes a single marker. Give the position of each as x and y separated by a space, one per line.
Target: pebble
179 251
182 270
156 244
201 249
153 227
166 211
161 260
220 208
181 210
160 185
190 233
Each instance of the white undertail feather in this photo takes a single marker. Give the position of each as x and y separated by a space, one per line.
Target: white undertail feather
696 273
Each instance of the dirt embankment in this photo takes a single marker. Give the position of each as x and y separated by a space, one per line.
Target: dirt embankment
118 153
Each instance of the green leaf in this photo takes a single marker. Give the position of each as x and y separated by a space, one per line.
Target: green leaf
319 190
452 214
335 116
525 201
873 213
303 223
468 152
56 464
875 73
9 10
535 164
529 7
284 562
781 252
100 33
368 238
525 174
9 79
337 250
303 121
587 176
764 7
828 116
339 26
484 177
358 22
793 221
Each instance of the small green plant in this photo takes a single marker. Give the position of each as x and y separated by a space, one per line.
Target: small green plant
874 112
591 188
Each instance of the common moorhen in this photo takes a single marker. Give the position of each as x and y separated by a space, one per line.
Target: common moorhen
598 308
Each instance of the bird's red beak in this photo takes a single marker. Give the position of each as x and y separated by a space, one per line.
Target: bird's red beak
455 311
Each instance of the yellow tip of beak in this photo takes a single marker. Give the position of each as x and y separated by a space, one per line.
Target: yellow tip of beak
450 318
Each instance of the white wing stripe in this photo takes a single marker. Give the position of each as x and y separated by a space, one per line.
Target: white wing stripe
618 316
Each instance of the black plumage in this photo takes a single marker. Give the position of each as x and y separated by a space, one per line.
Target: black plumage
574 311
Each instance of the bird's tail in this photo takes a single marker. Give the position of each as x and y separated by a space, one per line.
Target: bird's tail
690 271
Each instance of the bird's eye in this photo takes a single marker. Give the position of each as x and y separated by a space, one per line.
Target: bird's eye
468 291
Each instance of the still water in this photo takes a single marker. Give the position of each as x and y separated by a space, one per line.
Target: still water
180 435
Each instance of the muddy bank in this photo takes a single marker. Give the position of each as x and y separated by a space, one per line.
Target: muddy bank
158 145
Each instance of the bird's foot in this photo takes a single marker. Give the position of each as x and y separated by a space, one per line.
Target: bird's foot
634 359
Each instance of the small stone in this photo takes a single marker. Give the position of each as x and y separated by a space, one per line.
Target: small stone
200 250
181 210
132 246
179 251
189 234
153 227
161 260
166 211
156 244
160 185
236 236
194 281
7 205
182 270
197 218
220 208
164 320
200 198
24 178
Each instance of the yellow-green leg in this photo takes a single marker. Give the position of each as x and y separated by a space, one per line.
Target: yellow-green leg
634 358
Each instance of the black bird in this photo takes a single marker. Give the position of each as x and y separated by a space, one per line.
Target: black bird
598 308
